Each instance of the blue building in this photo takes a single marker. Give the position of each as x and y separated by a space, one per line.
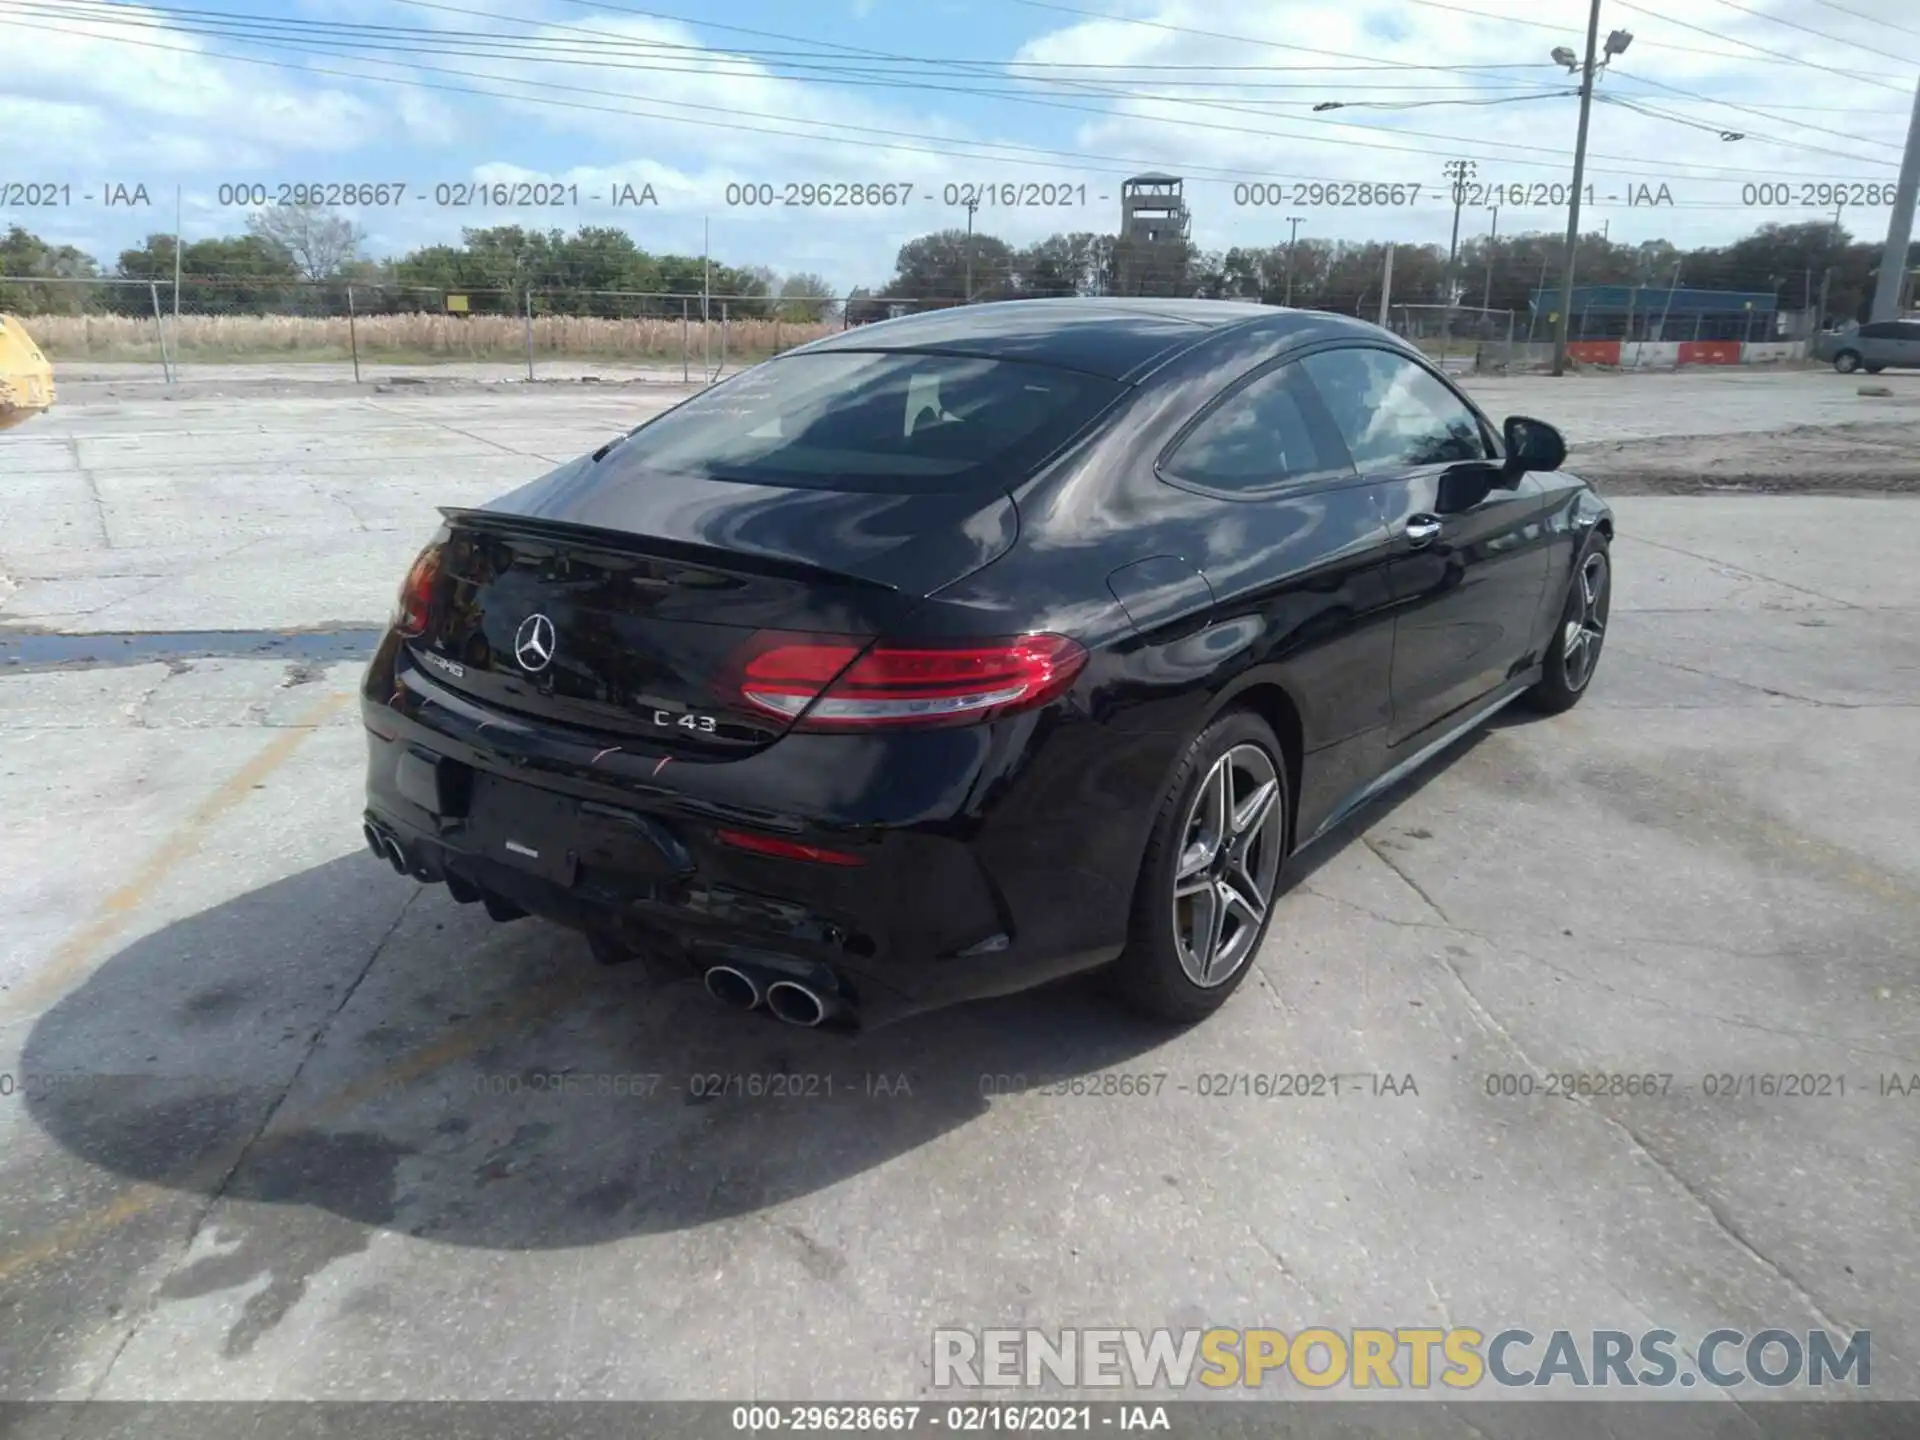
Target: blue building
1655 312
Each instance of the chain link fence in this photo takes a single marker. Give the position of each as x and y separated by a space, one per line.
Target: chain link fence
138 329
118 327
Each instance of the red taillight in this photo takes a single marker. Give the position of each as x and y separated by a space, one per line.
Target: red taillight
416 592
835 683
784 849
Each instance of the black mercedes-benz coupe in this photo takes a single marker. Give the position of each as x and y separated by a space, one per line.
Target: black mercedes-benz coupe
948 655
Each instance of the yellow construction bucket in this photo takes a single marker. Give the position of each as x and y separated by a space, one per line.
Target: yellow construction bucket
26 379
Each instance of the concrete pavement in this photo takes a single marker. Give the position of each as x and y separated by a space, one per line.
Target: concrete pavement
281 1124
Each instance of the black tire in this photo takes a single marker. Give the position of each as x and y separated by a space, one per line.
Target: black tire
1153 975
1570 664
1847 361
1875 369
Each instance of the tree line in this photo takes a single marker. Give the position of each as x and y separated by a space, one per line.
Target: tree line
1795 263
293 261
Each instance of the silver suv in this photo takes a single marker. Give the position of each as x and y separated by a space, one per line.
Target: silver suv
1872 348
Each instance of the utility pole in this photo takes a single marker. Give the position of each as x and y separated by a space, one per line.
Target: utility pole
1294 221
1573 200
1826 276
1386 289
1460 172
1667 309
1493 234
972 204
1893 264
179 206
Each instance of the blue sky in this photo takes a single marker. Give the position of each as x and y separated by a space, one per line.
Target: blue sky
1076 93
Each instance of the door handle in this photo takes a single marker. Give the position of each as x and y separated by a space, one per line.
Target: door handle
1421 529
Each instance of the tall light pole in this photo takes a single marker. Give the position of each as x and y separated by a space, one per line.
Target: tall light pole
1292 235
1617 43
1893 264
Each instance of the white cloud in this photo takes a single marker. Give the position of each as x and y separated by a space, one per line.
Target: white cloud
692 121
1528 142
167 104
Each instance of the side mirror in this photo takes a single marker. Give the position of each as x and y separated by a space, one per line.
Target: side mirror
1461 487
1533 444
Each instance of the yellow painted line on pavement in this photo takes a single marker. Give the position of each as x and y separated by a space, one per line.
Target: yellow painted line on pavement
70 962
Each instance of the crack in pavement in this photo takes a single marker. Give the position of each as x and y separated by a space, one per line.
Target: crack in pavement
1852 1046
1777 694
1743 570
1722 1220
1501 937
451 430
1406 879
93 492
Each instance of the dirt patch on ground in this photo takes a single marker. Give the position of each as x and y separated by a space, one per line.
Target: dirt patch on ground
1868 459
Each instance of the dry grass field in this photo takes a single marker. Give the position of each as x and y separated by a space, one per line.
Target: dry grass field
415 338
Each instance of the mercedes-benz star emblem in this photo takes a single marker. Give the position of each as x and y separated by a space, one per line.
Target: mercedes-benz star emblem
533 644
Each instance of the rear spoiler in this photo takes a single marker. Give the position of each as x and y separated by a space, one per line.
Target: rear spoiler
625 542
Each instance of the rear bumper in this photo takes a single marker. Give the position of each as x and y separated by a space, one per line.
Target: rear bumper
974 880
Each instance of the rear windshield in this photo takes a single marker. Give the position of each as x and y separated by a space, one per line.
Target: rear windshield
859 420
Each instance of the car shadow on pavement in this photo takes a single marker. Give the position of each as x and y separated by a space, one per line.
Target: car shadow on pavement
490 1085
343 1052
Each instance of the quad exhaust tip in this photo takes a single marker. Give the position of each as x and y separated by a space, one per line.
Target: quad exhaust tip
796 1003
385 846
733 987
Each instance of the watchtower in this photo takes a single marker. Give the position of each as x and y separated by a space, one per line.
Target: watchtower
1153 209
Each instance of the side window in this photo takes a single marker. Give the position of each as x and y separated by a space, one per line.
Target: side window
1392 413
1254 439
1909 330
1882 330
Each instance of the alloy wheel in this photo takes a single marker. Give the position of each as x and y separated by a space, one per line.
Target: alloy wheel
1586 627
1230 855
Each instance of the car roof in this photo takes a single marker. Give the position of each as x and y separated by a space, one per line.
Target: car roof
1118 337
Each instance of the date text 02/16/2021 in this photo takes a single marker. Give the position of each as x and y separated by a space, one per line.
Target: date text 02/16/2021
1377 194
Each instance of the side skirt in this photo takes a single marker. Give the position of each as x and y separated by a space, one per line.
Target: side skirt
1481 713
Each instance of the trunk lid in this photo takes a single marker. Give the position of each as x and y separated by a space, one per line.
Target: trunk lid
615 603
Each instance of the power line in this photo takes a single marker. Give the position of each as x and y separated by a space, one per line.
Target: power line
1809 30
407 40
1777 58
1770 112
948 61
947 143
1454 139
1767 115
1192 30
540 47
1870 19
1424 104
1761 49
945 147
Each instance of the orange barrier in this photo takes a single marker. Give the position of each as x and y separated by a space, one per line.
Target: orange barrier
1709 352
